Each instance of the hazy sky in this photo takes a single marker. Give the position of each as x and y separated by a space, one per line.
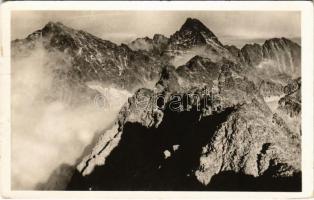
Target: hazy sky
123 26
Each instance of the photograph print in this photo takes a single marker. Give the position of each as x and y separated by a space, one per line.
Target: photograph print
156 100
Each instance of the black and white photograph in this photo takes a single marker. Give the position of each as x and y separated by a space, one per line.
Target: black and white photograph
156 100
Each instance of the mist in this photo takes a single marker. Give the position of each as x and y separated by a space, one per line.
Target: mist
204 52
48 133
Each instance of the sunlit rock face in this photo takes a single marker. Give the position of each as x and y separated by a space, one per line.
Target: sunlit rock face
178 113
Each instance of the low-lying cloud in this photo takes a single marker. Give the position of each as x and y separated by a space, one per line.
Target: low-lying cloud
46 134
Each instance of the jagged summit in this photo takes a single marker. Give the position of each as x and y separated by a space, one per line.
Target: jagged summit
91 58
193 33
283 53
278 39
195 25
51 27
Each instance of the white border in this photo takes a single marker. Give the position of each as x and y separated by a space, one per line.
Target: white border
306 9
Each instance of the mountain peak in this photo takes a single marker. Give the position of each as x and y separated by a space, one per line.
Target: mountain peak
51 24
280 41
194 25
52 27
194 33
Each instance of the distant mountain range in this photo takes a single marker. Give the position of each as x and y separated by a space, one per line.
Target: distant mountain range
238 136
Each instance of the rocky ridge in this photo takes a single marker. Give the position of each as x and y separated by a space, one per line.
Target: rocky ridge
91 58
234 131
277 55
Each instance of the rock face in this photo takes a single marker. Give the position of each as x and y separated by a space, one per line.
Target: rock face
278 55
250 143
205 120
202 71
269 88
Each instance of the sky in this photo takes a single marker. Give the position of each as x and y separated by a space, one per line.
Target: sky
231 27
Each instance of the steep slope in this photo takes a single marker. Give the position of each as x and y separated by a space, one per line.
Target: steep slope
286 55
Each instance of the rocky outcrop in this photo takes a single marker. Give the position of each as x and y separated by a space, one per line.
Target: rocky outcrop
252 54
291 102
293 86
248 142
200 70
269 88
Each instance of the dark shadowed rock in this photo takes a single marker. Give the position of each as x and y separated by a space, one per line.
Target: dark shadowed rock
193 33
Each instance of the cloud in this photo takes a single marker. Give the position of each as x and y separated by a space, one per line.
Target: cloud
48 133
